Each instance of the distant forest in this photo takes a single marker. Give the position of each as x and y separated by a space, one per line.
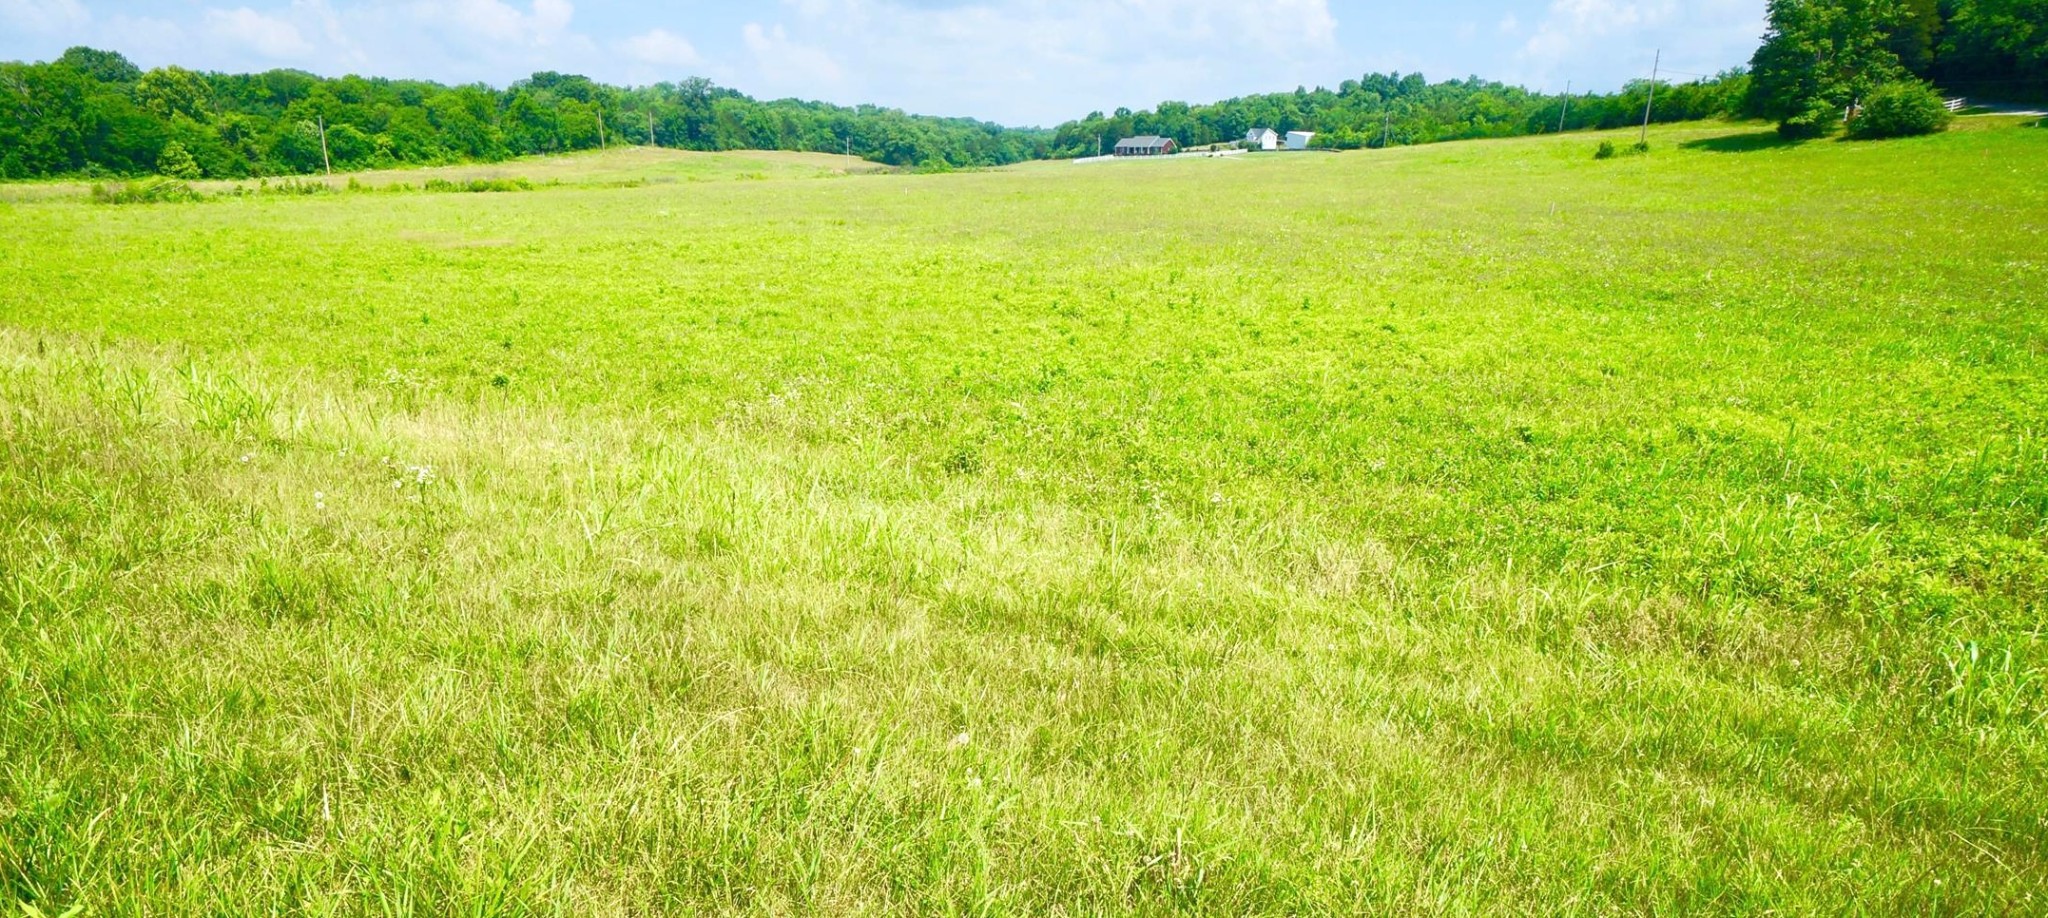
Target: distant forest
93 113
1399 110
1991 49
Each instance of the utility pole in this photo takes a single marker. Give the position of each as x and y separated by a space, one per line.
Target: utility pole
325 160
1567 106
1387 126
652 141
1653 95
600 128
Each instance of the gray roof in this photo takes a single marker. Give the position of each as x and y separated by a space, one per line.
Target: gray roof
1146 141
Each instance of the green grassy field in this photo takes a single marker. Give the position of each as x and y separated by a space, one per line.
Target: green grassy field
1475 528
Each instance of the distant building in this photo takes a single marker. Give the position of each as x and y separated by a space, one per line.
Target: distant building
1146 146
1263 139
1298 140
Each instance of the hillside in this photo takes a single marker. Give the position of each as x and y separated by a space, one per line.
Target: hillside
1469 528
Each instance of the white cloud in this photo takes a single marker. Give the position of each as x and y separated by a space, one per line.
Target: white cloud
269 36
1509 25
147 40
542 23
43 16
1572 24
663 48
1049 60
788 66
1576 36
334 33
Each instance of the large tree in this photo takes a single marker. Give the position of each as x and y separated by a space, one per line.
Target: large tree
1820 56
1995 48
1916 36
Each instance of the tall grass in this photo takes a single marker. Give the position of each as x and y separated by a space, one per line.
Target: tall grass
1493 530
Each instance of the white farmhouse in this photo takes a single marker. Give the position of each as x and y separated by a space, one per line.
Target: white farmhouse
1298 140
1263 139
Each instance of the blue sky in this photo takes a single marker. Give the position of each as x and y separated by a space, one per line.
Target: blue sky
1015 61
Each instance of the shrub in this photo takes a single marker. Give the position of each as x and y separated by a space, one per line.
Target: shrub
289 187
1903 109
299 187
476 186
152 191
1607 149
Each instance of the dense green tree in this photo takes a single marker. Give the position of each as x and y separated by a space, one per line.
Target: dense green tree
104 66
168 91
1819 57
1994 48
1915 38
175 162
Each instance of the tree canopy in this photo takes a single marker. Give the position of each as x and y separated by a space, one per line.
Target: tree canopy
1992 48
1821 57
92 112
1396 109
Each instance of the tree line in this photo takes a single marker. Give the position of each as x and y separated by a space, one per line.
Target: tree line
1818 61
92 112
1824 62
1395 109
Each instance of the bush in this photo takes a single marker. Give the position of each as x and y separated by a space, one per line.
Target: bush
296 187
153 191
1903 109
1607 149
476 186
